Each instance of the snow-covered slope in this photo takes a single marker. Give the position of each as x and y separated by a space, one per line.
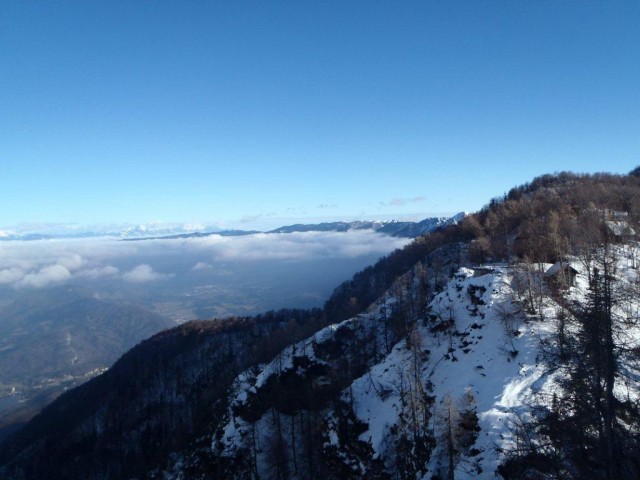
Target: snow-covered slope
452 389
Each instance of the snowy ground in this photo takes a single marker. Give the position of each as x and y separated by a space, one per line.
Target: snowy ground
477 342
480 359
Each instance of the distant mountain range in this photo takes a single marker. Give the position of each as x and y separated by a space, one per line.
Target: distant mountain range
154 231
24 236
394 228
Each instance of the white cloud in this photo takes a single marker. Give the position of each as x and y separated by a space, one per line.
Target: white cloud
399 202
144 273
71 262
250 218
11 275
202 266
100 272
45 276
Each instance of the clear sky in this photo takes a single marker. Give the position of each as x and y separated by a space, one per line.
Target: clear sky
253 112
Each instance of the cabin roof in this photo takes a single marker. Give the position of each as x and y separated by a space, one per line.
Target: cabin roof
556 267
619 228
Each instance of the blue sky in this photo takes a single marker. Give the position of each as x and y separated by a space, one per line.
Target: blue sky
253 114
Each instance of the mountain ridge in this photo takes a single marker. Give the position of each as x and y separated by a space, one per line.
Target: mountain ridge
407 229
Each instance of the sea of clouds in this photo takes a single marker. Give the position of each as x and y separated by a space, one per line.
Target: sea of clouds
42 263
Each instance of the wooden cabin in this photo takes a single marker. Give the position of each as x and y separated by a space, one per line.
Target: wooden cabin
618 230
562 275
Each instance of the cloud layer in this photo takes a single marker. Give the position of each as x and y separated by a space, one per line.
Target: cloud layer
43 263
